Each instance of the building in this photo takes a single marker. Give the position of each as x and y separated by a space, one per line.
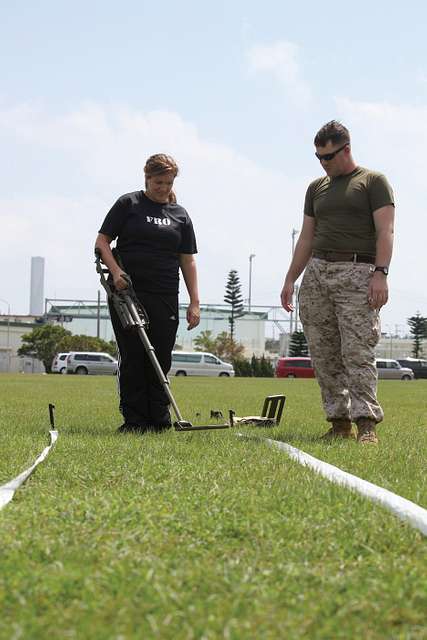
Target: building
249 329
92 318
12 328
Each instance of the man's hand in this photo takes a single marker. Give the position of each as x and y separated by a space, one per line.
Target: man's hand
193 315
378 290
287 295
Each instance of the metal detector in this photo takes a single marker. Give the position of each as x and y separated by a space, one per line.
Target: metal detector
271 414
134 318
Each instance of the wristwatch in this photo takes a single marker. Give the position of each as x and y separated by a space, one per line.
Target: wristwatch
383 269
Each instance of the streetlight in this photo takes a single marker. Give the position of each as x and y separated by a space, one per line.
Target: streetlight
8 333
251 257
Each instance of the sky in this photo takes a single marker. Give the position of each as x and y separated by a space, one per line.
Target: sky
235 91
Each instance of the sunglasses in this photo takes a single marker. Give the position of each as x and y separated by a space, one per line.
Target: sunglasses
329 156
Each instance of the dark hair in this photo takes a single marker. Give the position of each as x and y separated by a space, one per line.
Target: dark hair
333 131
158 164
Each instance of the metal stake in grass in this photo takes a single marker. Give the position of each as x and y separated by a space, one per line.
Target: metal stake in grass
52 415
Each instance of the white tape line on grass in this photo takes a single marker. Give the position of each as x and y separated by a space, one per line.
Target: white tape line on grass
7 490
403 508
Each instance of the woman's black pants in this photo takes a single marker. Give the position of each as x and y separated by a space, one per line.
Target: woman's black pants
143 401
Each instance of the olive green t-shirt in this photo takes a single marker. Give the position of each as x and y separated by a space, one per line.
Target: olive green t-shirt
342 208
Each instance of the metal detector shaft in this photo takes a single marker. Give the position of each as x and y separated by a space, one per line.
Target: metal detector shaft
136 322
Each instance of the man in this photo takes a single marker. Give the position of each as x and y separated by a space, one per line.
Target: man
346 244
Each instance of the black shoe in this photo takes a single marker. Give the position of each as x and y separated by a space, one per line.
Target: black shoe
130 427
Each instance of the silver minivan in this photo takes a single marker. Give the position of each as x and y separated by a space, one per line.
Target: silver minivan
198 363
91 362
391 370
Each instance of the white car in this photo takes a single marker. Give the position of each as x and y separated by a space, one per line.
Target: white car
59 363
391 370
83 363
198 363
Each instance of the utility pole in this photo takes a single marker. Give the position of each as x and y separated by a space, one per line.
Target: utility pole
98 315
251 257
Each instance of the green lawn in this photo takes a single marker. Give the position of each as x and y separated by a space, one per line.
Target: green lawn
202 535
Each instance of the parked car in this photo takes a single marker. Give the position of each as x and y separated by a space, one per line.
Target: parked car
59 363
197 363
93 363
300 367
392 370
418 366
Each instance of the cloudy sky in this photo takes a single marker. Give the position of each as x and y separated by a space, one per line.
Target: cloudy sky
235 91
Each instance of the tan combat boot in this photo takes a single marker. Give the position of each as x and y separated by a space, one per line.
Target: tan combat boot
341 428
366 431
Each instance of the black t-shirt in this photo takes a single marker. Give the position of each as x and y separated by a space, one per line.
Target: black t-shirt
150 237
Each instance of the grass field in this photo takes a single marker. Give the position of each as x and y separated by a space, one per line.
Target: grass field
202 535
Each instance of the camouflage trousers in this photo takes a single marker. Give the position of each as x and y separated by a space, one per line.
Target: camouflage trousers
342 332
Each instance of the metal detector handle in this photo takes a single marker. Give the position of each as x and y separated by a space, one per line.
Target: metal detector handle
103 270
110 289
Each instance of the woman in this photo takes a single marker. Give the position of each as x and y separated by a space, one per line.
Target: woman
155 239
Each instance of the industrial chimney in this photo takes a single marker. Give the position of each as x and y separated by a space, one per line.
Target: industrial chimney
37 286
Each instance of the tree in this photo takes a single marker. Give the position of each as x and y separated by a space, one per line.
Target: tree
255 366
242 367
418 330
205 342
226 347
298 344
42 343
233 296
222 345
266 368
87 343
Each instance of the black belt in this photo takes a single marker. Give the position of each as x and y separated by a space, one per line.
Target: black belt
338 256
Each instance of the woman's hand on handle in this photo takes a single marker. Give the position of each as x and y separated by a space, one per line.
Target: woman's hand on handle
119 281
102 244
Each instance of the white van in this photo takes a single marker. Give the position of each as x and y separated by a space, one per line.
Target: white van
91 362
59 363
198 363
